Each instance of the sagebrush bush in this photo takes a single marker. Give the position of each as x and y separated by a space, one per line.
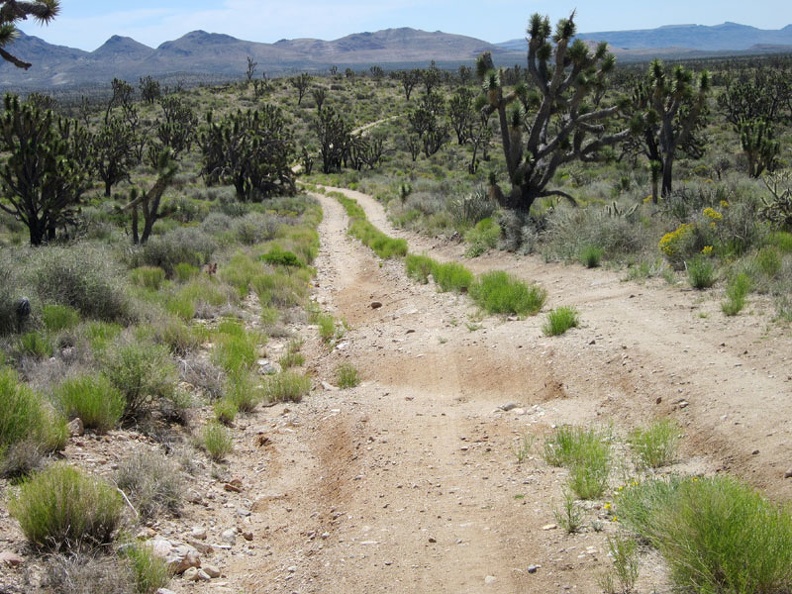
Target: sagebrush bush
83 278
89 573
61 508
498 292
152 482
93 399
144 372
181 245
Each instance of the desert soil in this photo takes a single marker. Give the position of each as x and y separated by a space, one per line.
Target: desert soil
410 482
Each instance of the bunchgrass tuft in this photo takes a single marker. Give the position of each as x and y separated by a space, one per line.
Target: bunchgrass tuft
149 571
93 399
61 508
59 317
716 534
498 292
452 276
347 376
286 386
419 267
560 320
216 441
736 291
591 256
655 445
701 272
587 455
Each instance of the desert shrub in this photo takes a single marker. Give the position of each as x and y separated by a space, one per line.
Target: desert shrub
8 298
61 508
472 208
782 240
570 231
737 290
59 317
303 241
181 245
24 417
144 373
716 534
280 289
256 228
152 482
655 445
560 320
498 292
184 272
329 329
347 376
89 573
148 277
286 386
216 441
419 267
93 399
769 261
203 375
150 572
225 411
292 357
85 279
177 336
100 334
277 256
701 272
484 236
452 276
384 246
239 272
200 297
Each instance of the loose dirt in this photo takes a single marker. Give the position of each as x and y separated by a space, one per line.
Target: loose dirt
410 482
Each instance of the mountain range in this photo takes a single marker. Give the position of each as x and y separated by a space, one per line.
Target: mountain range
209 57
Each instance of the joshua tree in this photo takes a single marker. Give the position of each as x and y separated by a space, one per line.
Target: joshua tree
302 83
45 170
560 119
11 12
669 110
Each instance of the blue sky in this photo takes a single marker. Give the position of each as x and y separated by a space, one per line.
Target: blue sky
87 24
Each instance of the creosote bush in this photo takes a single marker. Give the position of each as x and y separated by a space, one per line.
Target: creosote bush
61 508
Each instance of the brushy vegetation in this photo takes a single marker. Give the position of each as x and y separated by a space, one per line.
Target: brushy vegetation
655 445
216 441
287 386
152 482
93 399
586 452
61 508
347 376
716 534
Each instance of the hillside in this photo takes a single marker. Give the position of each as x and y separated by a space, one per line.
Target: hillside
204 56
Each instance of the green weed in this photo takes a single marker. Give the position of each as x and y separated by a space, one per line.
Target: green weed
655 445
92 399
560 320
419 267
701 272
452 276
216 441
286 386
498 292
736 291
347 376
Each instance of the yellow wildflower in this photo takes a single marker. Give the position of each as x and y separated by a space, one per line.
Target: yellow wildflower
707 250
712 214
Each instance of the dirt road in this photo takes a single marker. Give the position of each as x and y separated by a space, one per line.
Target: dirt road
411 482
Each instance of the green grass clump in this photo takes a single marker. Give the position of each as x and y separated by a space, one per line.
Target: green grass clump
62 509
384 246
59 317
716 534
292 357
277 256
24 418
148 277
452 276
560 320
736 291
242 392
329 329
184 272
36 345
782 240
655 445
419 267
587 455
701 272
216 441
286 386
591 256
149 571
225 411
92 399
498 292
347 376
235 349
481 238
280 289
769 261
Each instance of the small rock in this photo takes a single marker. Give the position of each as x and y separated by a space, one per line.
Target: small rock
146 533
191 574
533 568
292 569
508 406
76 428
432 539
165 591
203 576
229 535
232 488
241 511
10 559
199 533
212 571
658 400
489 580
788 473
550 527
376 305
247 535
263 441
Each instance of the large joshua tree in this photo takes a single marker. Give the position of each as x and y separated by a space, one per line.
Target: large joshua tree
11 12
561 117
